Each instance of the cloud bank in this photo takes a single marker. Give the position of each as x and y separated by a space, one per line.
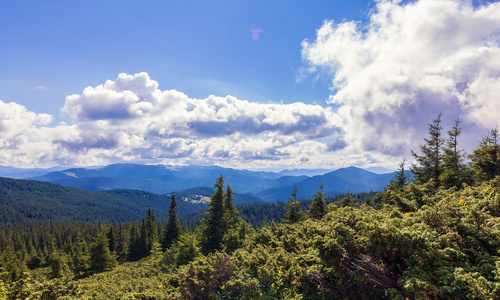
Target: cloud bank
393 74
131 119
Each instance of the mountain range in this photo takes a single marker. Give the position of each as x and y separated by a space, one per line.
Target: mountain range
268 186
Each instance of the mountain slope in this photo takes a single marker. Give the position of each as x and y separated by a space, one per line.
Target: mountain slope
21 200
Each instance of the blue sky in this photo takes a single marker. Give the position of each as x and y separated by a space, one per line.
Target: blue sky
198 47
246 84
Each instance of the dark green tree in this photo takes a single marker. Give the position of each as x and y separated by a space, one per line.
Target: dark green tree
347 200
80 257
143 239
101 259
213 223
122 241
454 172
151 230
188 249
135 246
58 264
172 227
111 238
400 178
229 208
293 212
485 159
318 207
429 164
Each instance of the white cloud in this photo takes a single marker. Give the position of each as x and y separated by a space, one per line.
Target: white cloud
131 119
409 62
15 122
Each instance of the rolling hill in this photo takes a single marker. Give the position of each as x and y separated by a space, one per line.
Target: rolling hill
22 200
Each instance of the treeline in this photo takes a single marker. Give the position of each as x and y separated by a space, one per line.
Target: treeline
446 164
263 213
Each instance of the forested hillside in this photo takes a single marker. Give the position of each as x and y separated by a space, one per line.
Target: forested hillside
22 200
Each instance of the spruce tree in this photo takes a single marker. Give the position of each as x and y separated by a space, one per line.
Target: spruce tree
485 159
399 180
172 227
318 209
151 230
229 208
294 212
101 259
213 223
80 256
347 200
143 239
121 247
430 162
111 238
454 168
134 249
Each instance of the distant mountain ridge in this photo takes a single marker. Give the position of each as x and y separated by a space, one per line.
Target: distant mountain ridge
269 186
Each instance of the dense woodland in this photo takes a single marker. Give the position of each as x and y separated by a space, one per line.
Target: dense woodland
434 235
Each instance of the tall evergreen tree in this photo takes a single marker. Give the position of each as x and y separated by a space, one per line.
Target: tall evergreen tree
213 223
400 178
80 256
135 247
229 208
318 207
143 239
101 259
151 230
294 212
347 200
430 162
454 169
111 238
122 240
485 159
172 227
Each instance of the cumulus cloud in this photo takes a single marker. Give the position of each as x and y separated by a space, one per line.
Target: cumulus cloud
393 74
15 122
131 119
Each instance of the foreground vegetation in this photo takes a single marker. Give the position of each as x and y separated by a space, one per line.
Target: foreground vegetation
437 236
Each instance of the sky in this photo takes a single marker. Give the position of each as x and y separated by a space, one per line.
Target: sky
244 84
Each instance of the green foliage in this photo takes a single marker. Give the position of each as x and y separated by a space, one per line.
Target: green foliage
187 249
347 200
400 179
214 224
172 227
485 159
31 289
58 265
430 162
293 212
455 172
101 259
318 206
151 231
